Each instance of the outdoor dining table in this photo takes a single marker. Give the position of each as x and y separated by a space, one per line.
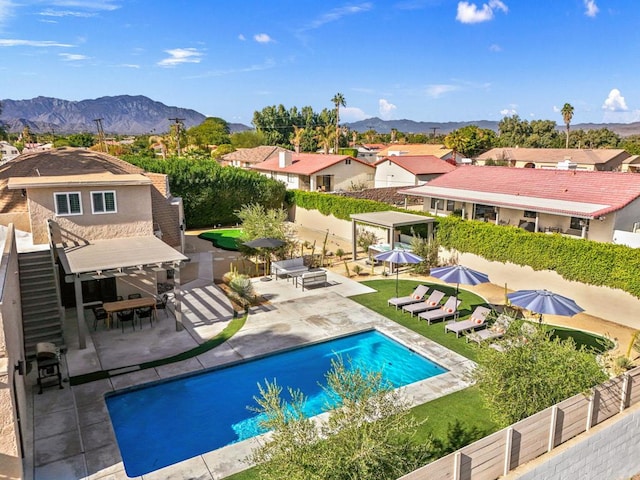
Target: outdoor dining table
114 307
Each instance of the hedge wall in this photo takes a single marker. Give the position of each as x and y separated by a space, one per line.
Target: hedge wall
593 263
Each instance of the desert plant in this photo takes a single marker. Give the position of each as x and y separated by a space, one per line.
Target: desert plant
366 238
357 269
242 286
339 253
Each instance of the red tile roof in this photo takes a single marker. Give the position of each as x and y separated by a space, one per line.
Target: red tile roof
553 190
305 163
420 164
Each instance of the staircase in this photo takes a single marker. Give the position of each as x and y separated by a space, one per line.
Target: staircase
41 313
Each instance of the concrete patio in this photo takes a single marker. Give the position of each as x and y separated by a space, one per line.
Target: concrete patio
73 437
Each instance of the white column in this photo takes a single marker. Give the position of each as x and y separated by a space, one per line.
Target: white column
177 298
77 286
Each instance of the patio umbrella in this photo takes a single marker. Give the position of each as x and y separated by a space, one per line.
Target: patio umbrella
544 301
398 257
459 274
266 243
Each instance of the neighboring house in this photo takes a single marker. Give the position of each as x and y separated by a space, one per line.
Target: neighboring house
310 171
601 206
7 152
409 170
369 151
247 157
36 147
604 159
439 151
631 164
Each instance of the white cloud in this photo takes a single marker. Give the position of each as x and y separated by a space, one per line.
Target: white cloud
5 10
615 102
66 13
107 5
470 13
494 47
72 57
241 37
337 13
128 65
437 90
386 108
262 38
556 109
591 9
13 42
180 55
352 114
508 112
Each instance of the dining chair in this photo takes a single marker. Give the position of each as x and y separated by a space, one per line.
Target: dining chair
145 312
119 298
134 295
127 316
99 315
161 303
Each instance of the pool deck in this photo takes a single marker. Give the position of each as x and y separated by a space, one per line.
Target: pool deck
72 434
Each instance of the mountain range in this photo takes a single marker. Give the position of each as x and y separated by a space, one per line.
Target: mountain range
137 115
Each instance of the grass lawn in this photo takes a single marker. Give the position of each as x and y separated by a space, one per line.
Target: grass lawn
466 405
224 238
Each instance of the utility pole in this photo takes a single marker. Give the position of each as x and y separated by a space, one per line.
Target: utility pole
178 123
101 139
434 131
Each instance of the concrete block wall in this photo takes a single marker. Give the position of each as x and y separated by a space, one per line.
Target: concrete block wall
609 451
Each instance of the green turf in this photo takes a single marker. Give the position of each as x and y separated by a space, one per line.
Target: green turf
224 238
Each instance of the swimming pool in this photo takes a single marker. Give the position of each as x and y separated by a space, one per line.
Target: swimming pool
169 421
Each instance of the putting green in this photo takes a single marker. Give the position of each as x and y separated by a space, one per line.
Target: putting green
224 238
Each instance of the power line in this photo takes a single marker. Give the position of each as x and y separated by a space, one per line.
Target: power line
101 139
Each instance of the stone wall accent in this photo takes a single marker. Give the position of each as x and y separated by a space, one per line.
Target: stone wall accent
388 195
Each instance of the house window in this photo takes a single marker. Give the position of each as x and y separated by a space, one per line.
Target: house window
347 161
577 223
103 202
289 177
529 214
68 203
435 203
451 205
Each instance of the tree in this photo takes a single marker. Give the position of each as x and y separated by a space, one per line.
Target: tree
339 101
212 131
3 130
260 222
296 137
325 136
534 372
368 434
247 139
513 132
567 115
84 139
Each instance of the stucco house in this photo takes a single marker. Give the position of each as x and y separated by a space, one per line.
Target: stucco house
246 157
409 170
318 172
604 159
7 152
436 150
601 206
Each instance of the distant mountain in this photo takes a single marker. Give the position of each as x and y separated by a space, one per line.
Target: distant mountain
122 114
410 126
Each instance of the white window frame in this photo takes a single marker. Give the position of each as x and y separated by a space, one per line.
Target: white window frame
67 195
104 203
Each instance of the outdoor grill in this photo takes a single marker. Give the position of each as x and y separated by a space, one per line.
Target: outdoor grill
48 360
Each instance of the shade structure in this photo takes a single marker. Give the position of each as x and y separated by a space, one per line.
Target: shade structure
545 302
459 274
398 257
267 243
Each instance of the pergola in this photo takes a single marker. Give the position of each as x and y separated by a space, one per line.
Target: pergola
116 257
388 220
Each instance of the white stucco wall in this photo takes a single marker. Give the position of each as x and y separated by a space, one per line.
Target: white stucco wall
388 174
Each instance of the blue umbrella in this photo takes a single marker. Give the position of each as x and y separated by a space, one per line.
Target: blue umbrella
459 274
398 257
544 302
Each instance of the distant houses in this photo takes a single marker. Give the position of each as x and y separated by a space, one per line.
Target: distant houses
436 150
409 170
604 159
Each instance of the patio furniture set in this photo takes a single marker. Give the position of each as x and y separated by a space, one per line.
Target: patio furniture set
301 274
135 307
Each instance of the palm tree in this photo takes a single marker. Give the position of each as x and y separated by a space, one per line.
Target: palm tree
567 115
325 136
455 141
338 100
297 136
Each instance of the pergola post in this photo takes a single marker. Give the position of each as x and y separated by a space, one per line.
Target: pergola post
77 286
353 240
177 298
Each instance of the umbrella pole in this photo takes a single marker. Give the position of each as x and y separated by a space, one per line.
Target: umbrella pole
396 281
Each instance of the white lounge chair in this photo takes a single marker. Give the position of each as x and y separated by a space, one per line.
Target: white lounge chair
428 304
494 332
449 309
476 321
417 296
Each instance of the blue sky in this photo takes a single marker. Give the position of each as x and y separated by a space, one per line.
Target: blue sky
424 60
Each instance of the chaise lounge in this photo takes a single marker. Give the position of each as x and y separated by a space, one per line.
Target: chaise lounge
417 296
429 304
494 332
449 309
477 320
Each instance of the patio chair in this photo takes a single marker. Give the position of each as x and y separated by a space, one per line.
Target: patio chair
145 312
127 316
476 321
161 304
99 315
429 304
449 309
417 296
134 295
494 332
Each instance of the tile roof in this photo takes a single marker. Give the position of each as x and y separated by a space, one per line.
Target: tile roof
419 164
417 149
306 163
568 192
254 155
555 155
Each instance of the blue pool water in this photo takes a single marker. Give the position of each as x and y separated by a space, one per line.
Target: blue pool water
170 421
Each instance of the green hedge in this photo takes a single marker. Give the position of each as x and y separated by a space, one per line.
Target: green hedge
584 261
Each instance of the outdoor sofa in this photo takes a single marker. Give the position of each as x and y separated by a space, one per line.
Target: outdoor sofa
289 267
312 278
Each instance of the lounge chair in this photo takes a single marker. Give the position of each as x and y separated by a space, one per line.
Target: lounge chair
476 321
428 304
494 332
417 296
449 309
